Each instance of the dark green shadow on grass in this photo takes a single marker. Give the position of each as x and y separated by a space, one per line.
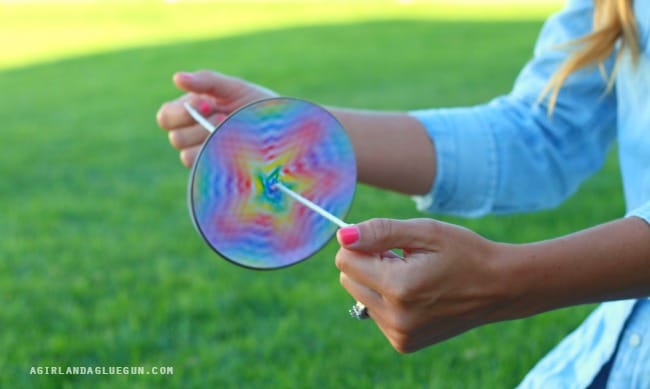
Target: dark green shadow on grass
100 265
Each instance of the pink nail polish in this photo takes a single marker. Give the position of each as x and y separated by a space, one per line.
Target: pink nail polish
348 235
204 107
185 76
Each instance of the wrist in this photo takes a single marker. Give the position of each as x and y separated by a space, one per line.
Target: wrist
515 281
604 263
526 280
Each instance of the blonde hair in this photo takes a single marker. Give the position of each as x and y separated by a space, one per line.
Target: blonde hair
613 20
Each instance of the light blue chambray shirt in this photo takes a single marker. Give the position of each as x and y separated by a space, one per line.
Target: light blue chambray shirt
509 156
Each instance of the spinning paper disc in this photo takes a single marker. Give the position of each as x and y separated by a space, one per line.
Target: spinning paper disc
233 202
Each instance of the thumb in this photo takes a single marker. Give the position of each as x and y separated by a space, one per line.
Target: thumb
208 82
381 235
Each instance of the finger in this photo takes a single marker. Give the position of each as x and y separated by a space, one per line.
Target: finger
187 137
189 155
193 135
173 115
367 269
374 302
208 82
418 338
366 296
380 235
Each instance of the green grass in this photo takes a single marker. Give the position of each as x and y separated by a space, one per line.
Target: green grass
34 31
99 263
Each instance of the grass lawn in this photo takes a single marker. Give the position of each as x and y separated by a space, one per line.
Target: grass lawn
99 262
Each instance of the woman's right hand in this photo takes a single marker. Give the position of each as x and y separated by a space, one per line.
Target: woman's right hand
213 94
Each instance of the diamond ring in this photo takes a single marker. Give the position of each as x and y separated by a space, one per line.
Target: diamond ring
359 311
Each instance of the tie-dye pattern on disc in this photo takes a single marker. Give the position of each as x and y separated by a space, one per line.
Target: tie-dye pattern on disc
233 203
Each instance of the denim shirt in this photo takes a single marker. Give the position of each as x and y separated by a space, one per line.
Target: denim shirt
509 155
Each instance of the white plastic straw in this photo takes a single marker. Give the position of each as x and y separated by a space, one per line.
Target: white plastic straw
199 119
311 205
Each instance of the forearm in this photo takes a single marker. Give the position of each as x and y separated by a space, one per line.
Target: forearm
393 150
604 263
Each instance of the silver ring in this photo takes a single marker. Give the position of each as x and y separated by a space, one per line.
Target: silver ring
359 311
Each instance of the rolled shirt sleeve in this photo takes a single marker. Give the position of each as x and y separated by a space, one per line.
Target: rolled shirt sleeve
642 212
509 155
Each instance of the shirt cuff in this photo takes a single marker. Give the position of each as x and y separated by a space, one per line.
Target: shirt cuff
466 162
642 212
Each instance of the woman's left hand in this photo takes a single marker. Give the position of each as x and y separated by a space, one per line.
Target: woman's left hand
448 281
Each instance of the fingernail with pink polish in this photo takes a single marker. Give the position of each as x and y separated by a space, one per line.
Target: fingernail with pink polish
348 235
204 107
185 76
